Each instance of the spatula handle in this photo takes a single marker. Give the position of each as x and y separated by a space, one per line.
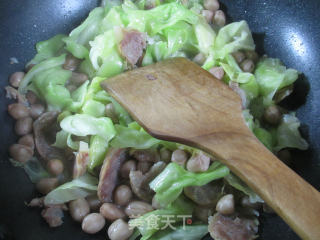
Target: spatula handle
179 101
291 197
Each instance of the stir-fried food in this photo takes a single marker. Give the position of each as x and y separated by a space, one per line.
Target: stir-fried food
89 159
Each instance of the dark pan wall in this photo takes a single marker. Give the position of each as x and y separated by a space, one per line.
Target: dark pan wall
287 29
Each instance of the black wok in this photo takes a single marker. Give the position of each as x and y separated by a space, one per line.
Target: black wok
287 29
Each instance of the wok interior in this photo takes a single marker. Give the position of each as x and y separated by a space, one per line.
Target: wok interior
287 30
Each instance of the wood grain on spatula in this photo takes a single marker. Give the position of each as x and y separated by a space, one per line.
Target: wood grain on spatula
177 100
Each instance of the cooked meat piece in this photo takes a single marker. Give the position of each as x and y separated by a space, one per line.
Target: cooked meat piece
53 215
140 183
217 72
43 128
109 174
39 202
13 93
231 228
235 87
206 195
132 45
239 56
146 155
81 161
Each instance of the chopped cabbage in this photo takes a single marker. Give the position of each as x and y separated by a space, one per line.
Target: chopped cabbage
78 188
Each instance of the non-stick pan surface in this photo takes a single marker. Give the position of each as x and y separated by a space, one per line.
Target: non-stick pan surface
287 29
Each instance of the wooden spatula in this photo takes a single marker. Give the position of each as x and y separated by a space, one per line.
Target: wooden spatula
176 100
